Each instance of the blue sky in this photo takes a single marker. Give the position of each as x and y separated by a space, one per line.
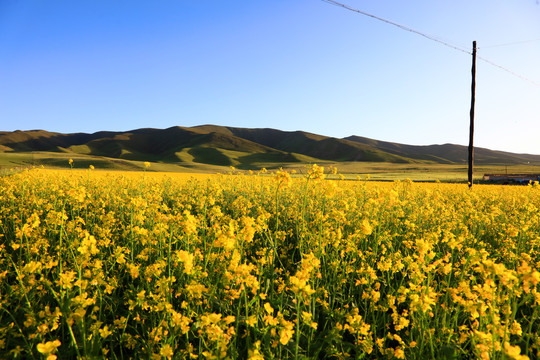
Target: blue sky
86 66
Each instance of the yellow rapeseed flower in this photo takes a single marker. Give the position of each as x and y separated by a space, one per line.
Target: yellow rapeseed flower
166 351
48 348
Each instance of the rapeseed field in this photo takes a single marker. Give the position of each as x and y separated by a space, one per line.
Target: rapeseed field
259 266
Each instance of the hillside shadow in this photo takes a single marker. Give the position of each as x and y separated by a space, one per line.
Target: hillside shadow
209 156
268 158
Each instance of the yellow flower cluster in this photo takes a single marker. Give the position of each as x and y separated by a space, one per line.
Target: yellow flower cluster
265 265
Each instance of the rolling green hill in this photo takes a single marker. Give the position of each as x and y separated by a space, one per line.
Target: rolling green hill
207 146
448 153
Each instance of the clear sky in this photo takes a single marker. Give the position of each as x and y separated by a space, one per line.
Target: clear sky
91 65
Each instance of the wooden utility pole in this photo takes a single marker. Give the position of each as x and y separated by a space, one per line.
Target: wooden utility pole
471 128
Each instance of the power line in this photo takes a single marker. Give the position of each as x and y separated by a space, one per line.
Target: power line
403 27
509 44
509 71
433 38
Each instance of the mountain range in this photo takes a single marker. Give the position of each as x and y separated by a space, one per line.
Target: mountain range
240 147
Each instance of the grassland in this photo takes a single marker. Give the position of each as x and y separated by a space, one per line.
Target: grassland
424 172
209 147
101 264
